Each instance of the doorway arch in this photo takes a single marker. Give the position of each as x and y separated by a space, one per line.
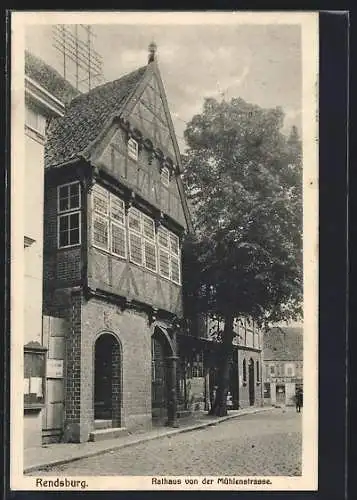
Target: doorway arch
251 382
161 350
107 380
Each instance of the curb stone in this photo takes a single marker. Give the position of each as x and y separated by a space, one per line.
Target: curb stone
118 446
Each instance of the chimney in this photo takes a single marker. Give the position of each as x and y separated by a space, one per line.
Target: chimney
152 51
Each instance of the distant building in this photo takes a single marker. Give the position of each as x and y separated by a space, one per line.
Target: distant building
246 368
283 364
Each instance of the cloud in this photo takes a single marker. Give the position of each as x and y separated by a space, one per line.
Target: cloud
245 73
224 87
292 113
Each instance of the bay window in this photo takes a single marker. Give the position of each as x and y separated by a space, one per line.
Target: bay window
142 246
169 255
108 222
158 251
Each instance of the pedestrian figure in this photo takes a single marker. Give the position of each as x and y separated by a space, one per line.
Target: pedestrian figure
298 400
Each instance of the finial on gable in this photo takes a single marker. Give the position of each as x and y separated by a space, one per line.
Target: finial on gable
152 52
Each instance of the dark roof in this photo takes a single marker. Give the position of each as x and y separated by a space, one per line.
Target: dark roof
283 344
49 78
85 117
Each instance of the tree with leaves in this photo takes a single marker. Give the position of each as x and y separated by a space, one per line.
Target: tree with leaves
243 177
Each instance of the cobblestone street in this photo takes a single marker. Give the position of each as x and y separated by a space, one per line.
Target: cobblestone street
268 443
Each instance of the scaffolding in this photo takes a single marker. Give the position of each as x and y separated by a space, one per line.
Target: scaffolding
80 64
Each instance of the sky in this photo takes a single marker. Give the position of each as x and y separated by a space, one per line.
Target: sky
259 63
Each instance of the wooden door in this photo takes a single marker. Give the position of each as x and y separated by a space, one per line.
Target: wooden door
158 379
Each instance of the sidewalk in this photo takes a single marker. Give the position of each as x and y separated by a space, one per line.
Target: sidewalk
61 453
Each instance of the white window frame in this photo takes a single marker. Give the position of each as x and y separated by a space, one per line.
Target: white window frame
165 176
160 251
79 198
165 249
100 215
120 226
135 233
144 238
40 120
290 366
104 192
171 255
133 149
151 241
67 213
178 282
105 220
110 221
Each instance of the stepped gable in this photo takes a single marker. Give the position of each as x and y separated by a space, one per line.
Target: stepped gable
85 118
283 344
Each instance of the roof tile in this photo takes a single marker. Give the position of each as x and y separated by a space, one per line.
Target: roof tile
86 116
283 344
49 78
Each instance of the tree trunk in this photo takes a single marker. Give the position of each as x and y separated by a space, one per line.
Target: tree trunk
219 408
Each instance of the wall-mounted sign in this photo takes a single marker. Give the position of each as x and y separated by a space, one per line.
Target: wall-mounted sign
280 380
55 368
34 375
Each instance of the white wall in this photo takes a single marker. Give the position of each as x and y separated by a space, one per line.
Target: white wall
33 218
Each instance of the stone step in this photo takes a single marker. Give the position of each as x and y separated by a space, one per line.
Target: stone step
111 433
102 424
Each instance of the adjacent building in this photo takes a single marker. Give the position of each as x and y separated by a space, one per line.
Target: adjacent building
41 106
246 387
283 364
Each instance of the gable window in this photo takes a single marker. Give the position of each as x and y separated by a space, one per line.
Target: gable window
272 370
108 222
68 215
133 149
165 176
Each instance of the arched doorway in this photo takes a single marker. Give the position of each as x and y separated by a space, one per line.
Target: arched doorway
160 351
251 382
107 381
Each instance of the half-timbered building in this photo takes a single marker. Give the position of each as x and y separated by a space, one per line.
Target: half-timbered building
114 217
